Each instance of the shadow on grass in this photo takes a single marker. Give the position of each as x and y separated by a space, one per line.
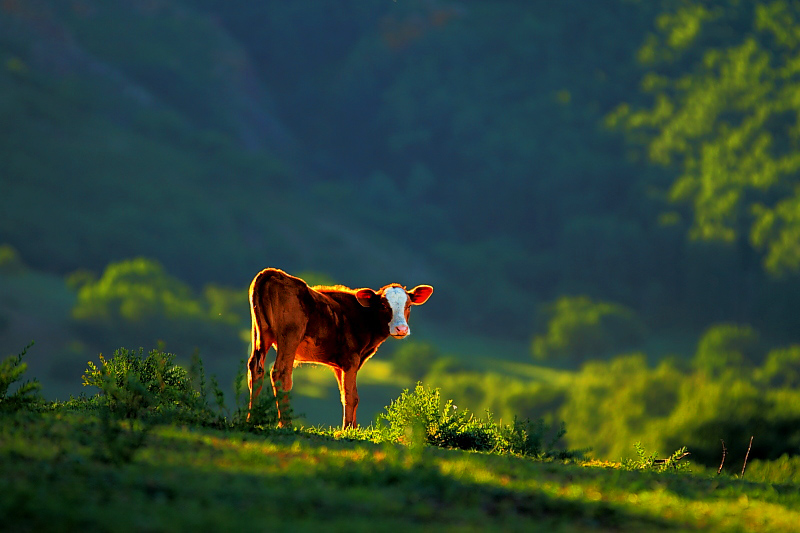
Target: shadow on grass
207 480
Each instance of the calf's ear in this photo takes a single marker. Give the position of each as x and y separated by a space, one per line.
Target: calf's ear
366 296
420 294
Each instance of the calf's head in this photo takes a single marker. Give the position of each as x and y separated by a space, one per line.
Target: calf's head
395 303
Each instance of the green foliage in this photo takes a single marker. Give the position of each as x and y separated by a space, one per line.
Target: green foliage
138 392
623 400
645 461
27 394
527 438
134 291
420 414
135 386
414 360
419 417
578 328
728 348
781 368
731 409
723 115
138 298
783 470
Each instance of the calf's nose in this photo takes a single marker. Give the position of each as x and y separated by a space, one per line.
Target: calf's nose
401 329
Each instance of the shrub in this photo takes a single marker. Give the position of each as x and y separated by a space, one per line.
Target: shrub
526 438
613 403
727 347
579 328
731 409
137 299
420 415
137 386
447 427
138 391
414 360
781 368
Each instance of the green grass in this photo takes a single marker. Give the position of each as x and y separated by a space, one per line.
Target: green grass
149 453
189 478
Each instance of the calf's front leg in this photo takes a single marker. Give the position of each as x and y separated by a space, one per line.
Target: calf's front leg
349 396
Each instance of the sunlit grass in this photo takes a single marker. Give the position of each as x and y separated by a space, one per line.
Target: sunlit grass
307 478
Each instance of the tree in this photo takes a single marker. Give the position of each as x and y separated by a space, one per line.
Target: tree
724 113
579 328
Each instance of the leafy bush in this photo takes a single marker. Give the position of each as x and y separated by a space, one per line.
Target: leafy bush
137 386
612 403
135 290
138 391
419 415
727 347
579 328
422 411
526 438
414 360
137 298
732 410
11 370
785 469
781 368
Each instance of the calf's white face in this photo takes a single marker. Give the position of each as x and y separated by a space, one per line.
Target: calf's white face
398 302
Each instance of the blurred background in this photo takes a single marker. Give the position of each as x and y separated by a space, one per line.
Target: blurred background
605 196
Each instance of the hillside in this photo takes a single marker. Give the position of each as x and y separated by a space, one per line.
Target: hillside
605 196
462 144
185 477
159 448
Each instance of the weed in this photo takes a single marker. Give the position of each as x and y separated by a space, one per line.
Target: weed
11 370
527 438
419 417
420 413
152 386
650 462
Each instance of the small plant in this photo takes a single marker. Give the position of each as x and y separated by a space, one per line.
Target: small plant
138 391
650 462
527 438
11 370
420 416
152 386
118 440
265 411
421 413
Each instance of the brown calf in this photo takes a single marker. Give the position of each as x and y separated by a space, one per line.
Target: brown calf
333 326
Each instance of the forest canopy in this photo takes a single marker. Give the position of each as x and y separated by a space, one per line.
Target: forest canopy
519 152
725 117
